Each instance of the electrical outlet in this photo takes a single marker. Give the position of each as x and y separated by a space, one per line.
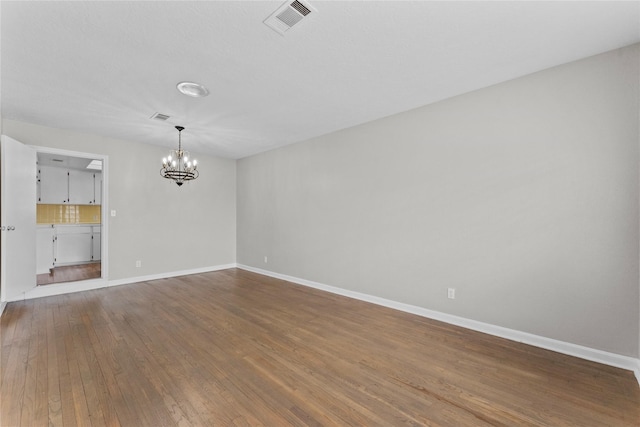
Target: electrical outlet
451 293
265 259
138 264
113 212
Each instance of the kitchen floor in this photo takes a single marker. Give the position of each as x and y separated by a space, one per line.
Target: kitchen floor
70 273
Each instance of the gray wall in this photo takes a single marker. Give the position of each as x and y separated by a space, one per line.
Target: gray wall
168 228
522 196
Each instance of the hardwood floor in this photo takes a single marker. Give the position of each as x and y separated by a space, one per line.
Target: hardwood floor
233 348
70 273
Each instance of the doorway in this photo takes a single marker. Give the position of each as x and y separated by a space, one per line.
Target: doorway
70 232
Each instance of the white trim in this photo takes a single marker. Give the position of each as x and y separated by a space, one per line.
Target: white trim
86 285
62 288
3 304
170 274
582 352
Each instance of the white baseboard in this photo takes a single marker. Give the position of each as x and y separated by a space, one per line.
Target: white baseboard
129 280
2 306
594 355
86 285
62 288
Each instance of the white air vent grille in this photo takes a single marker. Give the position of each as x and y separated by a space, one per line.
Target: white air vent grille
160 116
288 15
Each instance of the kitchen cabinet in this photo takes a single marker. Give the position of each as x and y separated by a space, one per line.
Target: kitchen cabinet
58 245
54 185
95 251
97 188
73 244
81 187
68 186
44 249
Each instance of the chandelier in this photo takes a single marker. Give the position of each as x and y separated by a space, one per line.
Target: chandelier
177 165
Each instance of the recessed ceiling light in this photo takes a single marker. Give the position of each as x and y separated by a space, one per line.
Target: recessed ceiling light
193 89
95 164
160 116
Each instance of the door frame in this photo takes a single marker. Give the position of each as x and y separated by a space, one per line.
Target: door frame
104 211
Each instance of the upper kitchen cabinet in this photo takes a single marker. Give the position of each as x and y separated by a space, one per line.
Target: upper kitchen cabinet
97 188
69 186
54 185
81 187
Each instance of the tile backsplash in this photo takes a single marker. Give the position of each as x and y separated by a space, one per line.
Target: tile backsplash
68 214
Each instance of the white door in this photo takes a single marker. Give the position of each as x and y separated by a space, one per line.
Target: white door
17 219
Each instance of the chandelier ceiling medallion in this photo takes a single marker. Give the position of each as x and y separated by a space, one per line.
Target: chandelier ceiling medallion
178 166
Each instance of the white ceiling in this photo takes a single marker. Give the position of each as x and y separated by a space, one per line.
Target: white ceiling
106 67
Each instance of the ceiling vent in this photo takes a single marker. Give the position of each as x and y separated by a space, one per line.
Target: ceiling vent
288 15
160 116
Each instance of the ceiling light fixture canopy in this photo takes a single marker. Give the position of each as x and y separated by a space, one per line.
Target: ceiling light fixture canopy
192 89
178 166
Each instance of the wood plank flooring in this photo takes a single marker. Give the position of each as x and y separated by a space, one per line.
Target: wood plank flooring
70 273
233 348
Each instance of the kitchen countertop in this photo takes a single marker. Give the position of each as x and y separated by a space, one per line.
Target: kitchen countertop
87 224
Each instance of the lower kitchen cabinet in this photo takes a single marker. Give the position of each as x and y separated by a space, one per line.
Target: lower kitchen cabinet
73 244
59 245
95 253
44 249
